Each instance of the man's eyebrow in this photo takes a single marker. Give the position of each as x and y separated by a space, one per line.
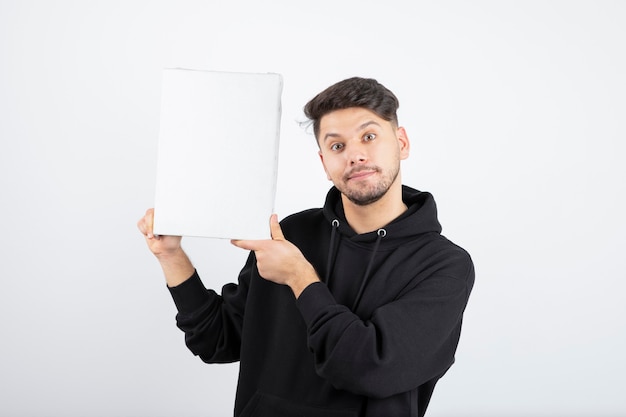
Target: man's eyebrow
361 127
366 124
331 135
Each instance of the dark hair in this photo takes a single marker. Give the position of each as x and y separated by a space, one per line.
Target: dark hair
353 92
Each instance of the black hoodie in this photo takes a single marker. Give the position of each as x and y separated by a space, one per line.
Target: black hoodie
371 340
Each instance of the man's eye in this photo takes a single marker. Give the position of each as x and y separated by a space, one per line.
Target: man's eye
336 146
369 137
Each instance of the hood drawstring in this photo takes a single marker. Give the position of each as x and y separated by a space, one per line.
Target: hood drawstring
381 234
331 250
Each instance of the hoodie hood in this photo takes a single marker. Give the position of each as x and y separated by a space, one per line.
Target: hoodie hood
421 217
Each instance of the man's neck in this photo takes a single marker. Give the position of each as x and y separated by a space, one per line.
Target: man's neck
371 217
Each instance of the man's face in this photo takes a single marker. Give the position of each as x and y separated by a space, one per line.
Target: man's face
361 153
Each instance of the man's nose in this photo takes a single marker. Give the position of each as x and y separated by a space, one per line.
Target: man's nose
357 155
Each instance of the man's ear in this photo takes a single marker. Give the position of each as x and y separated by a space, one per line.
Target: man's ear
403 143
324 165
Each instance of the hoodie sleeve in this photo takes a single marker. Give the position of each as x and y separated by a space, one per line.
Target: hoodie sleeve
404 344
212 323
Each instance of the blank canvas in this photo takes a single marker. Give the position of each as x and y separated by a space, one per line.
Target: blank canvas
217 153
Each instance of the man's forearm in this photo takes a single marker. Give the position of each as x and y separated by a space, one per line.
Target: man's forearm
177 267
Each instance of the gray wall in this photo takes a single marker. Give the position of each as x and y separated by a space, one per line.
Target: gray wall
516 115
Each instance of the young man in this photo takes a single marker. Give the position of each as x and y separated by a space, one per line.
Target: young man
353 309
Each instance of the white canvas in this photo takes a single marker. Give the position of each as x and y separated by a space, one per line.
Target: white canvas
217 153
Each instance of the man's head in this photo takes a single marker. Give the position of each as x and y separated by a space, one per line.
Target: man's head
353 92
361 144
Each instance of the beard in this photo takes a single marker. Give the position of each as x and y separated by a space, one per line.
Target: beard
368 193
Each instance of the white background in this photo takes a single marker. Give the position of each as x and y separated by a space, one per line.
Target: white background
516 113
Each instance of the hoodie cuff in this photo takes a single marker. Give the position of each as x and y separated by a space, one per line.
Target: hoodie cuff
314 299
190 295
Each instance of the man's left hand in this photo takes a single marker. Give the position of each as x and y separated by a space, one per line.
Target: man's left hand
279 260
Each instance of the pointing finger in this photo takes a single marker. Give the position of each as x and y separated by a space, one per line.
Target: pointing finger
247 244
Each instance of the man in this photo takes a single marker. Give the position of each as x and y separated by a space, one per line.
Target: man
353 309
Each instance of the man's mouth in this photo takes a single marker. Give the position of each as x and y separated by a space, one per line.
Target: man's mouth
360 174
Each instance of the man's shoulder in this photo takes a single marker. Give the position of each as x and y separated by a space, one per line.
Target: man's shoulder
310 231
305 226
304 218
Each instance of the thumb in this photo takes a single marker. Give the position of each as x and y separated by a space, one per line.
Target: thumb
275 230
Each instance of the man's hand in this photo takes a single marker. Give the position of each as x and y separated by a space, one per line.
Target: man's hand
175 263
159 245
279 260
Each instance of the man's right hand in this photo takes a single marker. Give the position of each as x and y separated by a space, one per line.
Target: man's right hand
176 265
159 245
